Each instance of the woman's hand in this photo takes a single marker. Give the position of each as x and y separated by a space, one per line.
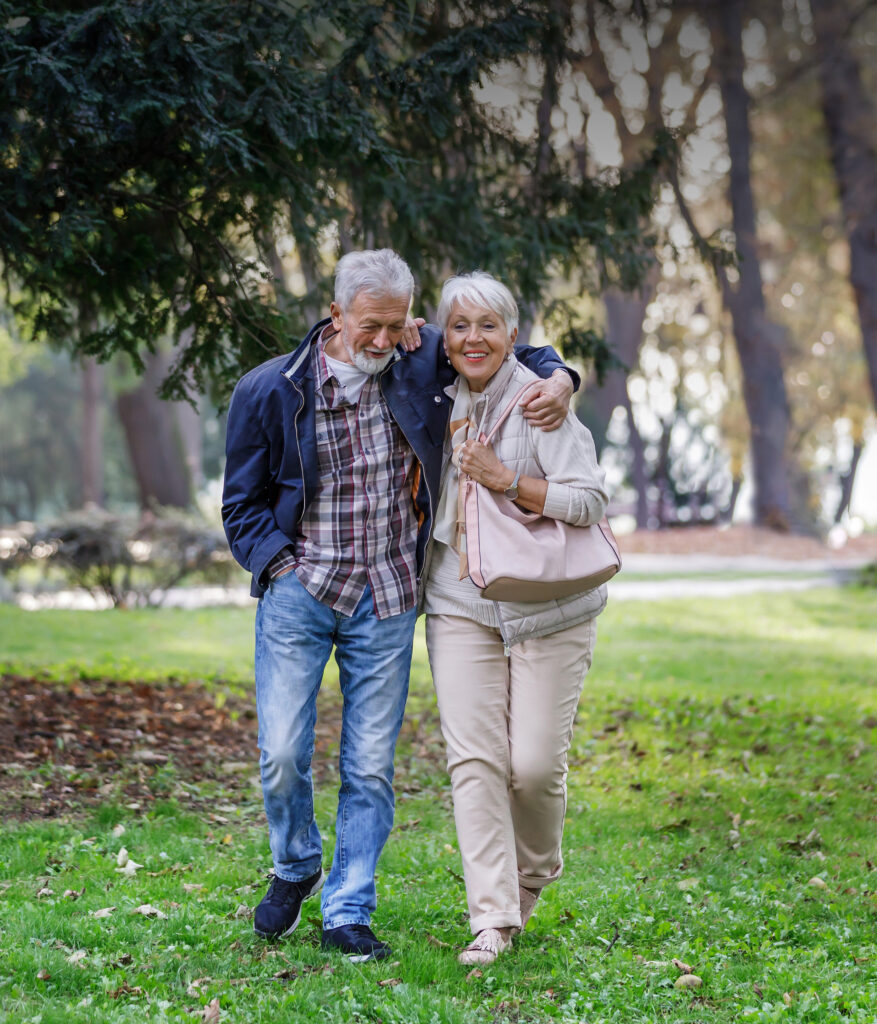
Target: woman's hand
547 405
411 334
479 461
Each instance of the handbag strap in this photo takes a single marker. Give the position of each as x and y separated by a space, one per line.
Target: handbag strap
504 415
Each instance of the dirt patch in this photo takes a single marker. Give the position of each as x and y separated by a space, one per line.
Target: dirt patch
745 540
65 747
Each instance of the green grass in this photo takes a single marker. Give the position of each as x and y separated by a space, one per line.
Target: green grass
724 757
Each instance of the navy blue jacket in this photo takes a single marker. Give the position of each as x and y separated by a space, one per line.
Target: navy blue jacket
271 454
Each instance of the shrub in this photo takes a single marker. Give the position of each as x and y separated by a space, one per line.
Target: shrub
133 561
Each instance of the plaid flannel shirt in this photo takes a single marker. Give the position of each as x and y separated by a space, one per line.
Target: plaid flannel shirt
361 527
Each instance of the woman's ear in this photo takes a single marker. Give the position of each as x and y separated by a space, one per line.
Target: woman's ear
512 337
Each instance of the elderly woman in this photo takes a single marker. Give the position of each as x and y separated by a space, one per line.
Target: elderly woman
508 676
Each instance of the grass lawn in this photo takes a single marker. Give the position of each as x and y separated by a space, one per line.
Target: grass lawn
722 813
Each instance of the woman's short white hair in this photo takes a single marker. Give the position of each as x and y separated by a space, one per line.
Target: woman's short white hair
478 289
379 272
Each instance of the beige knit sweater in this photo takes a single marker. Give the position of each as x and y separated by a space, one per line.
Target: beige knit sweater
567 460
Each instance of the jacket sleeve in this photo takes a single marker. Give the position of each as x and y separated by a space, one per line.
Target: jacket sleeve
543 361
247 513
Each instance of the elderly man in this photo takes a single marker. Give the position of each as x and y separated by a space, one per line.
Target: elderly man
332 473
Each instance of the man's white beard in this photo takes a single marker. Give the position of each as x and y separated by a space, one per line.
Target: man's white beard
368 364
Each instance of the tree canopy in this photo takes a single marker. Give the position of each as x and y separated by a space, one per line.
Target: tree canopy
150 152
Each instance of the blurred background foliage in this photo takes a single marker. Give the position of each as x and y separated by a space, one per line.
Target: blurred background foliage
683 195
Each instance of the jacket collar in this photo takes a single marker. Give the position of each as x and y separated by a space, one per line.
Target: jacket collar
299 362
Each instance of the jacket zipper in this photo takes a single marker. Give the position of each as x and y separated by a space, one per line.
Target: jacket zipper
506 646
301 466
432 505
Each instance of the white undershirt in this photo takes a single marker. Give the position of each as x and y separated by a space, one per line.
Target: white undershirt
349 376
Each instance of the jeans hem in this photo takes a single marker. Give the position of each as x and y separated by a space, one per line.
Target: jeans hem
303 878
328 926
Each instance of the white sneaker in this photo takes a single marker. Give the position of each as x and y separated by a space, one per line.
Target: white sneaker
484 948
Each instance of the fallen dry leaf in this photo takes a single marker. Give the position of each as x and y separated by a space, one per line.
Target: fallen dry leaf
73 894
43 975
44 892
103 912
473 974
211 1010
118 830
130 868
817 883
193 986
389 982
433 941
758 990
75 957
122 857
688 981
193 886
241 913
148 910
681 966
813 838
788 998
687 883
125 990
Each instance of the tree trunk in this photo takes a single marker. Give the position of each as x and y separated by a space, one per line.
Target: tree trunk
188 425
153 439
624 335
847 481
92 464
727 514
849 118
759 342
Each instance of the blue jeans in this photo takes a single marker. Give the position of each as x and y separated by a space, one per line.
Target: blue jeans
294 638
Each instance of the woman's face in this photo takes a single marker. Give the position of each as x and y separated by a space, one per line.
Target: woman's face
477 341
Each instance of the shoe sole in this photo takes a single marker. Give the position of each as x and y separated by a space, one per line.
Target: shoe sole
363 958
282 935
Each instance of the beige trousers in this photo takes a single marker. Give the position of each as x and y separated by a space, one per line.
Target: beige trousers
507 723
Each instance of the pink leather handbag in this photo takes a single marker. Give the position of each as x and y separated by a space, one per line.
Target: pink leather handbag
516 555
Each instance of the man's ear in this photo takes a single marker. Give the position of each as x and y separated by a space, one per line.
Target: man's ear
337 316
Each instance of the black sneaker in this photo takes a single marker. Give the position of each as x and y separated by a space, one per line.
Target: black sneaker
356 941
280 910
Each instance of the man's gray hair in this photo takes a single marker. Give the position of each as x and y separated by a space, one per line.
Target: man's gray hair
478 289
378 272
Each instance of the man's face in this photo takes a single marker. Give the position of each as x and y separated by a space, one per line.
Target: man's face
368 331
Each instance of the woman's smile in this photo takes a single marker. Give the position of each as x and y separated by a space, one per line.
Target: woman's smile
478 342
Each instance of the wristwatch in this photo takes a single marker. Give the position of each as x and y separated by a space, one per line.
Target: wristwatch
511 492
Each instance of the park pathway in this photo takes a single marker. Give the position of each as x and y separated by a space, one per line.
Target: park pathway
644 577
